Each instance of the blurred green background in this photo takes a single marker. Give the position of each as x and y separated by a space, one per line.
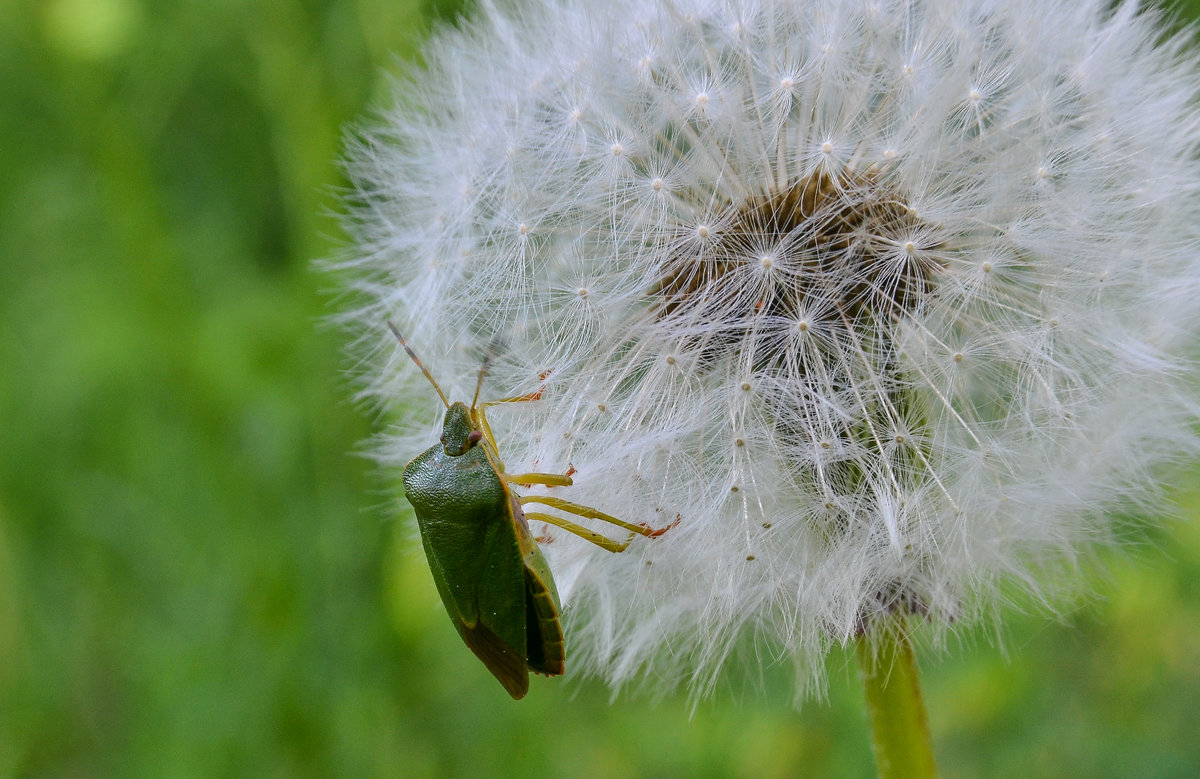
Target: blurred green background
199 576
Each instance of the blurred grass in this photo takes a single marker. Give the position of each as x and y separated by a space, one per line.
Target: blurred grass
196 574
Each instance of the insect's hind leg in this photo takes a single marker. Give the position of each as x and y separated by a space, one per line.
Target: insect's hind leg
588 535
588 512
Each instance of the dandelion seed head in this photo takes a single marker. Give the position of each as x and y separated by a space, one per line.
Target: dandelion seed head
892 304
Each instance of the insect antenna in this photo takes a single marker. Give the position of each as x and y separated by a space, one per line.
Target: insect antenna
483 369
413 355
494 348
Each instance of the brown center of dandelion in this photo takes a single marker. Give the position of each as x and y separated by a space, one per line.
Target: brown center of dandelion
843 251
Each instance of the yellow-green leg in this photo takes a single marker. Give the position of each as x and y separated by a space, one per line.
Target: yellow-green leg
603 542
589 513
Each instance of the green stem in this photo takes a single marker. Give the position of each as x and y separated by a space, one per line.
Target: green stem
899 727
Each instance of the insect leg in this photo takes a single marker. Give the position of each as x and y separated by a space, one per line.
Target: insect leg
641 529
549 479
581 531
483 423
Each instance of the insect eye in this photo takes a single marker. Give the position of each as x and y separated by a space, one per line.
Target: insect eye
442 438
473 437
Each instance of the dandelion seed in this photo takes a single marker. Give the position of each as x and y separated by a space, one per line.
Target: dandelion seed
951 245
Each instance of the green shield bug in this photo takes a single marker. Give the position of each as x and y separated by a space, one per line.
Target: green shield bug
489 571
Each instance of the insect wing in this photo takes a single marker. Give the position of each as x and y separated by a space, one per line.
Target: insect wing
545 645
464 513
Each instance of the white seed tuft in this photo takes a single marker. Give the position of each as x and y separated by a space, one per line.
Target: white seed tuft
835 202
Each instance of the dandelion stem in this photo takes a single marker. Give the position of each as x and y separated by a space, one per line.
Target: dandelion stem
899 727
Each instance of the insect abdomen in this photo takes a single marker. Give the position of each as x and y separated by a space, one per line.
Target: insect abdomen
547 651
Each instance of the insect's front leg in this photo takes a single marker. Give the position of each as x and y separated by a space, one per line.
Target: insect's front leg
482 411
